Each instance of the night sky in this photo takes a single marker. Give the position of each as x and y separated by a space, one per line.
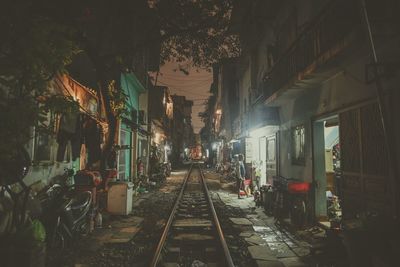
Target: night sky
195 86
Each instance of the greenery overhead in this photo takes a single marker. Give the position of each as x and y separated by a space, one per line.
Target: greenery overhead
41 37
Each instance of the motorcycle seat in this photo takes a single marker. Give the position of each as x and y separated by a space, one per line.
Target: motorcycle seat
81 200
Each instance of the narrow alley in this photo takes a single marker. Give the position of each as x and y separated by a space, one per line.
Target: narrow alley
200 133
253 237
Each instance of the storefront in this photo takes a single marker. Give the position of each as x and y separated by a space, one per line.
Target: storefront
128 130
124 152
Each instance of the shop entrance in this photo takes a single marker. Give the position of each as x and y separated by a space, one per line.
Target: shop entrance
327 171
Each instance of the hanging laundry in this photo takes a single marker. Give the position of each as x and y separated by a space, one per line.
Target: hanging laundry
70 130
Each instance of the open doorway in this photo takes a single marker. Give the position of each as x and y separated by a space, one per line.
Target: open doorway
327 172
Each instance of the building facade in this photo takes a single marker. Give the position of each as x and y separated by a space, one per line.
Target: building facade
310 104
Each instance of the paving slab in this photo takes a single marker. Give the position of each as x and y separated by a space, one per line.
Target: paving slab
281 250
293 262
260 263
246 234
257 222
102 236
118 240
262 229
241 221
130 230
261 253
301 251
255 240
271 238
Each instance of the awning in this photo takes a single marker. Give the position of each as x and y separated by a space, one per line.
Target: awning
135 127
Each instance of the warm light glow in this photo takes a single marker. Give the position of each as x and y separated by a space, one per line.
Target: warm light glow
215 145
218 112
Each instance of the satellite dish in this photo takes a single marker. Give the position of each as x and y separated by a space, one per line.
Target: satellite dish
14 166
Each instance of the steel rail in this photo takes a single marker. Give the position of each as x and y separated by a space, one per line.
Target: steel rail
164 235
224 246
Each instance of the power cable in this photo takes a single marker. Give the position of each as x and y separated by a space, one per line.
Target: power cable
185 91
186 84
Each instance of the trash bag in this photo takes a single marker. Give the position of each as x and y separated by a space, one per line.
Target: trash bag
33 233
38 231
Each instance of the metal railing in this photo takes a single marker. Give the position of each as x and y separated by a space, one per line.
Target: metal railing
324 38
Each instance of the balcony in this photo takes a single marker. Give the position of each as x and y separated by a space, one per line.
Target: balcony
315 53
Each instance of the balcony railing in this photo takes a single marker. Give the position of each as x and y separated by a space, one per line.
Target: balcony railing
328 34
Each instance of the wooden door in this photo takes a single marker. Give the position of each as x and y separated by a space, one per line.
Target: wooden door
271 158
364 182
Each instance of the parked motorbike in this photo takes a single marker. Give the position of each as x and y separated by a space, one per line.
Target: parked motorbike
166 167
66 213
160 172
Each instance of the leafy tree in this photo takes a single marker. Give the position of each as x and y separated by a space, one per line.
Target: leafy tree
33 49
197 31
43 35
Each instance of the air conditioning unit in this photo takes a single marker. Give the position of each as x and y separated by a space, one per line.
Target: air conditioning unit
142 117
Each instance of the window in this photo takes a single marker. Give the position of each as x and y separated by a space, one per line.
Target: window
124 155
298 155
43 140
42 147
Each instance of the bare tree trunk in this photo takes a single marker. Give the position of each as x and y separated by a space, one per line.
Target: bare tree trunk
104 96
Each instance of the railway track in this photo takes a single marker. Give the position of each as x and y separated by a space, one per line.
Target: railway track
192 232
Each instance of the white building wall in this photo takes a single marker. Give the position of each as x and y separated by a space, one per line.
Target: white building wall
341 91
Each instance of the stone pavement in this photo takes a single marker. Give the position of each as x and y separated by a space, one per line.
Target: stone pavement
267 245
120 230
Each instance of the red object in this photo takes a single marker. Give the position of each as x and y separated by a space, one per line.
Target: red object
112 173
247 182
298 187
242 193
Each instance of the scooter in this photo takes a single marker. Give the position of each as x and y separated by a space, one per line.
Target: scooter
66 214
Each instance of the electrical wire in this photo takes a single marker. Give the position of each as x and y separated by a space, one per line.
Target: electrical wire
184 90
185 84
185 79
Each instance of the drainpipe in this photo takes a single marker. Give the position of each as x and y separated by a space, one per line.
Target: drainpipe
388 135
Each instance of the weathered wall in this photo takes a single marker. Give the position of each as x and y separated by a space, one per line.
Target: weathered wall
343 90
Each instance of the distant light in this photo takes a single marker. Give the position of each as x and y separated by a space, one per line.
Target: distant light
214 146
218 111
